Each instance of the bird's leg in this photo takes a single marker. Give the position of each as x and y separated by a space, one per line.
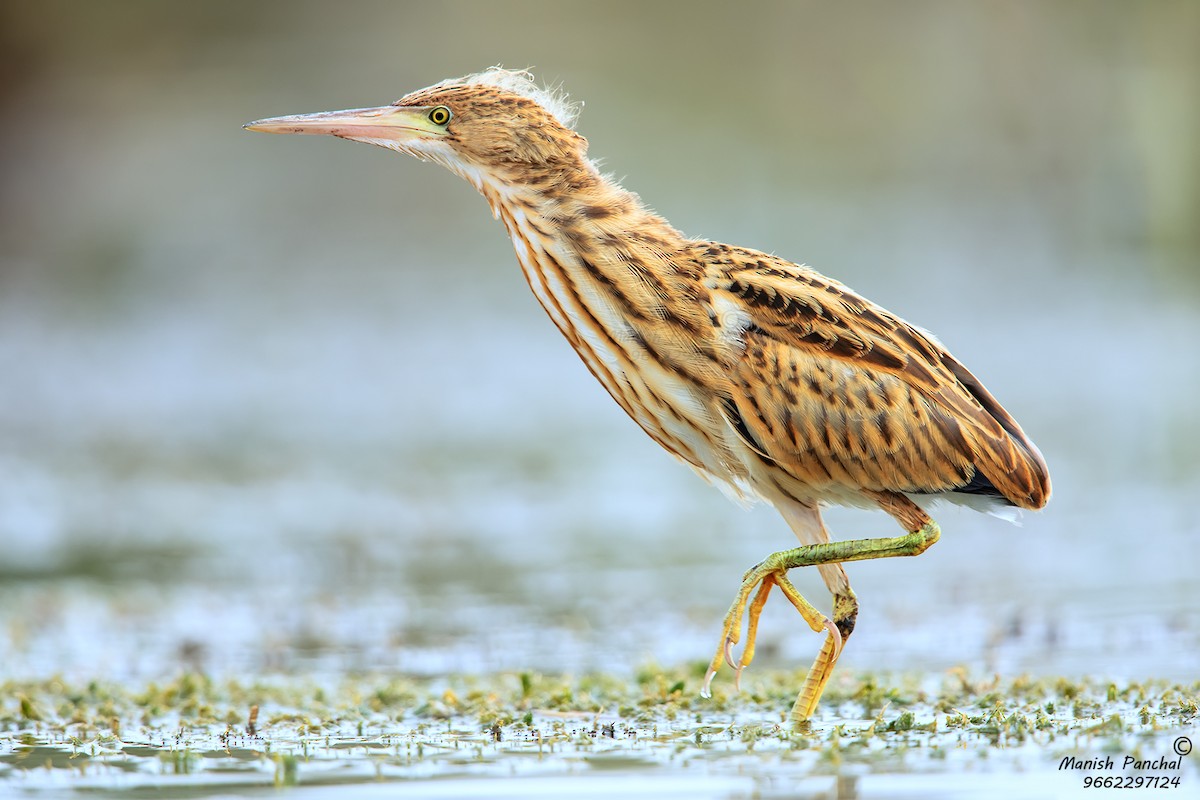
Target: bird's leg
822 667
845 611
765 580
772 571
815 619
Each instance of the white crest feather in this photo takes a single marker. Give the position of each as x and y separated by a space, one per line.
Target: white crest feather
521 82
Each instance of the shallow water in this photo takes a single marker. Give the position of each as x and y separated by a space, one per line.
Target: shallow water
504 735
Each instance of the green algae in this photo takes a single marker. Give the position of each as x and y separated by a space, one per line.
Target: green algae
195 731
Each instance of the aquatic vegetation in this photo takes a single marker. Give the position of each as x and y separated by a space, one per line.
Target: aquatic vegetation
199 732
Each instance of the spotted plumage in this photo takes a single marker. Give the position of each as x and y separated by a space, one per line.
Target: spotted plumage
767 378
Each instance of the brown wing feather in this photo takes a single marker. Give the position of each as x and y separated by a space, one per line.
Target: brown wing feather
843 393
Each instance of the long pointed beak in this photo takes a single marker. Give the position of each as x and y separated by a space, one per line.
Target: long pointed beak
400 123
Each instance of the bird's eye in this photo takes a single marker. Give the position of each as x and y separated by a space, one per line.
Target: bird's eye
440 115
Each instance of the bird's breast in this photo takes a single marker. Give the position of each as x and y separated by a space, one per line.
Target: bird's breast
663 382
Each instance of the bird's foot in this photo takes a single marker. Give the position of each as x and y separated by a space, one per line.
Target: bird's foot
770 573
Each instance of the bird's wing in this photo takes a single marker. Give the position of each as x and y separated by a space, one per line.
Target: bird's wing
831 386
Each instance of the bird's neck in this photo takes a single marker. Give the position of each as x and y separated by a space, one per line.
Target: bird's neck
578 234
618 281
575 204
605 268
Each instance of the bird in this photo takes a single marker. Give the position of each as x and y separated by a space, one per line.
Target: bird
769 379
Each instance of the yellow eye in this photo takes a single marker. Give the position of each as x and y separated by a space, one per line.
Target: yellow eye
440 115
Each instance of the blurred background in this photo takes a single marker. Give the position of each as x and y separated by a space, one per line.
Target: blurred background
281 404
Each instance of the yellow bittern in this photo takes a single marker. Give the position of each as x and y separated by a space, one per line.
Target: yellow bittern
764 376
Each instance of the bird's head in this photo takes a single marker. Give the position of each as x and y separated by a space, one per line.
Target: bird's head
495 125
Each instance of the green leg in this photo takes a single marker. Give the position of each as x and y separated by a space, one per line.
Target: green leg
773 571
910 544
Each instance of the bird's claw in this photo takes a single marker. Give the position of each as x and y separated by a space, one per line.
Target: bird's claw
765 582
836 636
